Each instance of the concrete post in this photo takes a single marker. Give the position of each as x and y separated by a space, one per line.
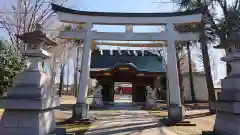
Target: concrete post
81 108
176 111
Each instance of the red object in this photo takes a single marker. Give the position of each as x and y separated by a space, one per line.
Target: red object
126 90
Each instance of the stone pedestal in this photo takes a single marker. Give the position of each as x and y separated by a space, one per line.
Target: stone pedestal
228 105
150 98
29 105
20 122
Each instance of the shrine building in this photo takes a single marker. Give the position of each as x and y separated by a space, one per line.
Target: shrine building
142 70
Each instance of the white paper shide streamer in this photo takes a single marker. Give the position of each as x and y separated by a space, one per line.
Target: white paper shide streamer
111 52
135 53
101 51
142 52
119 51
128 52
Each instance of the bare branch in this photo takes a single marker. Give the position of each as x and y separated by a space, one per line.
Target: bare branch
24 16
36 8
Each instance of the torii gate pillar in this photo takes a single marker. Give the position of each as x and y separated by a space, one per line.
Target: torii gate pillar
175 110
80 109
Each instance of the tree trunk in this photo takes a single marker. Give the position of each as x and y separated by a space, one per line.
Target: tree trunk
207 67
194 100
68 77
228 66
61 80
180 77
76 73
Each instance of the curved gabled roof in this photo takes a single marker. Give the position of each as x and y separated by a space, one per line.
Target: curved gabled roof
130 65
58 8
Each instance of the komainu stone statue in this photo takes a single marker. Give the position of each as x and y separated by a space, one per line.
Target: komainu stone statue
150 97
97 97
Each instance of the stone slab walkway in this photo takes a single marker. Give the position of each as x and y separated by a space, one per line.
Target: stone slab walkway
129 121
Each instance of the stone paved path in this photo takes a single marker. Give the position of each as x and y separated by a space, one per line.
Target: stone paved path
125 119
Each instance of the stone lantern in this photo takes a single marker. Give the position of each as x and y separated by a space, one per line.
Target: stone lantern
29 104
228 105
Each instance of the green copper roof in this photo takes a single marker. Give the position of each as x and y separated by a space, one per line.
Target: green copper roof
149 62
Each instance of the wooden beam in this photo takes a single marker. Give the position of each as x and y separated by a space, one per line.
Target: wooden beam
118 36
130 44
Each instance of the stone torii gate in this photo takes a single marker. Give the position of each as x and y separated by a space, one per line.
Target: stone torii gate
170 36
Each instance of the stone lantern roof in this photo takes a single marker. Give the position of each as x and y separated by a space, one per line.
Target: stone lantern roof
36 37
234 37
38 44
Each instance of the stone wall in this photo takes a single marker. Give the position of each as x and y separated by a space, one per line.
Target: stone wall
200 86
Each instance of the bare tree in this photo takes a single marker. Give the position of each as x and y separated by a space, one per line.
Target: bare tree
211 59
194 100
25 14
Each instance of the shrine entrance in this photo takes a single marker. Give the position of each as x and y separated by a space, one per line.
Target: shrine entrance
139 71
123 92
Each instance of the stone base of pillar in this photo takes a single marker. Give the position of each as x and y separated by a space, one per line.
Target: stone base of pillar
80 111
176 113
25 122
